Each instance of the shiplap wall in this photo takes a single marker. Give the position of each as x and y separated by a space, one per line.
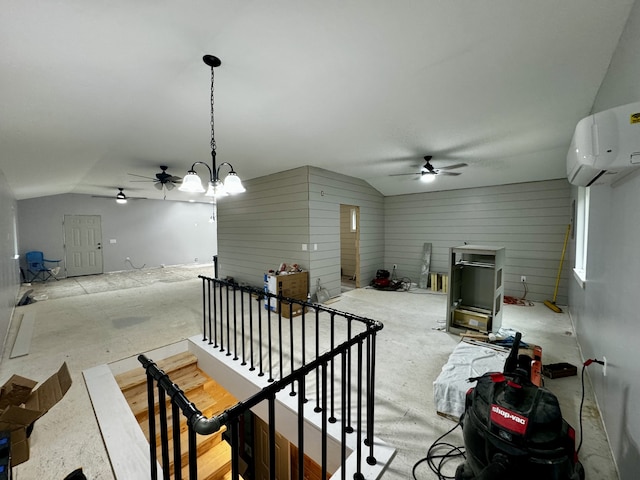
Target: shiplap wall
528 219
327 191
264 227
348 249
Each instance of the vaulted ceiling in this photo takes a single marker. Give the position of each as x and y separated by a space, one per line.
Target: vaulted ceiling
91 92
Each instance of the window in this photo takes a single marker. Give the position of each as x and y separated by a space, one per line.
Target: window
582 233
354 219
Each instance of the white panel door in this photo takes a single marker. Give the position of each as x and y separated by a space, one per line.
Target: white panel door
83 244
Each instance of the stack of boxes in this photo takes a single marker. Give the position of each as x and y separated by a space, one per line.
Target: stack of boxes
290 285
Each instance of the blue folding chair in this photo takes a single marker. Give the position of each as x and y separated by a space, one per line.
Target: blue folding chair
37 268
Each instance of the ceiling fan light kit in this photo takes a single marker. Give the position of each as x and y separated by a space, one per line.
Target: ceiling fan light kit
216 187
121 198
427 177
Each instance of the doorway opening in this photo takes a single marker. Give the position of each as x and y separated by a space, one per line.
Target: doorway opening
349 247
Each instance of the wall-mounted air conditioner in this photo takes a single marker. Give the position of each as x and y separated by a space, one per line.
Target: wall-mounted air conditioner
605 146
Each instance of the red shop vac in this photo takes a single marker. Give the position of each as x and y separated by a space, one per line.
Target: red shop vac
514 429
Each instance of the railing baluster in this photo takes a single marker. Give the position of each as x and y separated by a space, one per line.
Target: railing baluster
242 332
318 407
152 427
349 428
193 454
175 435
291 347
235 327
270 350
204 310
261 373
251 363
210 286
358 475
301 394
228 310
281 363
221 316
324 421
217 307
332 418
272 437
235 449
343 430
371 400
164 434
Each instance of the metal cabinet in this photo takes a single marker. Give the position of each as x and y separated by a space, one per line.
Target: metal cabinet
476 288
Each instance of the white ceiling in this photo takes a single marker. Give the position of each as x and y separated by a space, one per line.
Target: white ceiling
92 91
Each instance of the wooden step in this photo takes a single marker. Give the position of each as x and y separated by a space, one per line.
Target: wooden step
171 364
187 380
204 445
203 400
214 465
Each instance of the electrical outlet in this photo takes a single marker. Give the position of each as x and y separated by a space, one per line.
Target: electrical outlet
523 279
604 367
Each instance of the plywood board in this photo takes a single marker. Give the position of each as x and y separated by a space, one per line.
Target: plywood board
23 340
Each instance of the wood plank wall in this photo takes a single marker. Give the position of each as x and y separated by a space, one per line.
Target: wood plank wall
528 219
264 226
327 191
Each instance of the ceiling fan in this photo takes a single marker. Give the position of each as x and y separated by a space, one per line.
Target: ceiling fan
163 181
428 172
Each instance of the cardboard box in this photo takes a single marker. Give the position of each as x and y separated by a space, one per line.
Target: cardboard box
21 406
292 285
472 318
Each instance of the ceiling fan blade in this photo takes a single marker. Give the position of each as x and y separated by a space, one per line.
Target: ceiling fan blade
142 181
452 174
175 179
141 176
401 174
451 167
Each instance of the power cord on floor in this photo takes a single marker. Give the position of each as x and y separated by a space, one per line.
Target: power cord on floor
436 461
128 260
584 366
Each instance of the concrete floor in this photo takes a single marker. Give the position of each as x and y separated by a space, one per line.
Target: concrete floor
88 321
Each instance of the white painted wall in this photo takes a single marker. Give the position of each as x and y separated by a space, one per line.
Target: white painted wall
528 219
9 270
149 232
605 312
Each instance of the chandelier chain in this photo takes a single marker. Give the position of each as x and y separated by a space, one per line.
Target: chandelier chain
213 138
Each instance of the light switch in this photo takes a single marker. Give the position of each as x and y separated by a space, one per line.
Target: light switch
304 247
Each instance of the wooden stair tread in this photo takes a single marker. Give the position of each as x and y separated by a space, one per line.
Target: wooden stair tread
187 380
138 375
210 401
214 465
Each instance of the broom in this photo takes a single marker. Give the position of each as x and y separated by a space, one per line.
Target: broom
552 303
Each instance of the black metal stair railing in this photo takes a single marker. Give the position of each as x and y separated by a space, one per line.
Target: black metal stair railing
315 356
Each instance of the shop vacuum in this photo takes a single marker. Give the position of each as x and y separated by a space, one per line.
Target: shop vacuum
513 429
